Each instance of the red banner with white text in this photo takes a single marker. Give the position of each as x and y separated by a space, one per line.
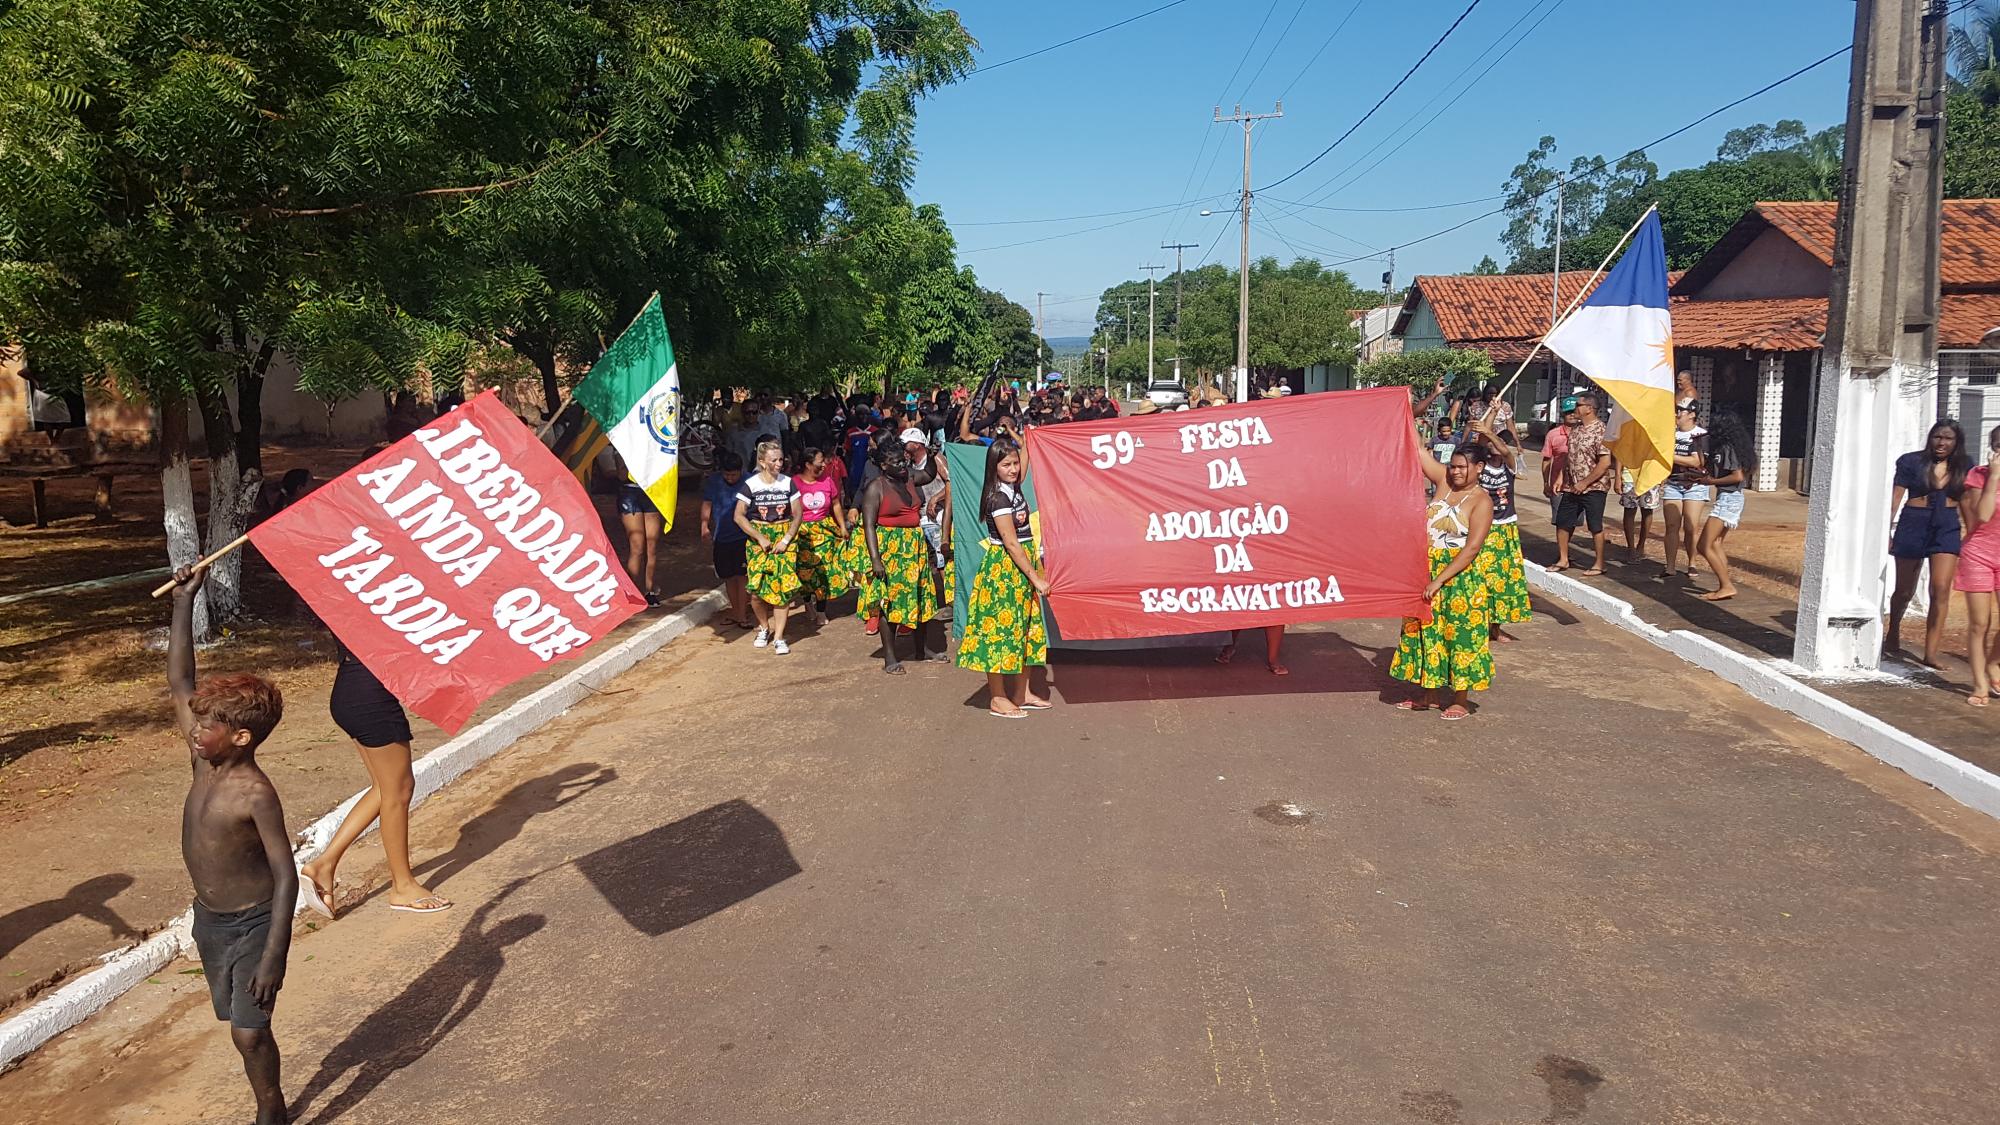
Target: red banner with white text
455 562
1271 512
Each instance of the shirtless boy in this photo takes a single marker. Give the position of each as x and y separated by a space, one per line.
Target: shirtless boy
234 843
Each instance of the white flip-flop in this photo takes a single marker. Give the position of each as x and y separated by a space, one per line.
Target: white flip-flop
319 905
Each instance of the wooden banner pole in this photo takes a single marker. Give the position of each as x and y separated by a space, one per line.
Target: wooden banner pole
206 562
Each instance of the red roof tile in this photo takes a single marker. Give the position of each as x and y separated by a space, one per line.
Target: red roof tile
1964 319
1971 236
1768 325
1492 307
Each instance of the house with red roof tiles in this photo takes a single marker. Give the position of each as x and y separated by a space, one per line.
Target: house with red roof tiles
1748 320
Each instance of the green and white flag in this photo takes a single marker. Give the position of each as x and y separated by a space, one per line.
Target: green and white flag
634 393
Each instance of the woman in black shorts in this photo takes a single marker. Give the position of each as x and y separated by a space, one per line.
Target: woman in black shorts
365 710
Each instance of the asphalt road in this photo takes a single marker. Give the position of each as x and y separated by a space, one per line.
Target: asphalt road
743 888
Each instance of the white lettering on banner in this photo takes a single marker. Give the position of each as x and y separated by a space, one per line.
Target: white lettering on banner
509 503
541 627
423 622
1230 434
1224 523
1231 558
1226 474
1254 598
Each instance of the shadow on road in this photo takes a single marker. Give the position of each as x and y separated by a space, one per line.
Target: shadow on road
679 873
490 830
406 1028
89 899
1321 662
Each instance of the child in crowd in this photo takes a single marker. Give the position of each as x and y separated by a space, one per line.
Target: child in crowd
718 525
237 851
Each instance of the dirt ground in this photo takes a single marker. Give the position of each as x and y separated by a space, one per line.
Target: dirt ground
1187 894
91 773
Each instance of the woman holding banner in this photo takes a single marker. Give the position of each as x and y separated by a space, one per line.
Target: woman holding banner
1004 631
825 566
1452 651
900 588
768 508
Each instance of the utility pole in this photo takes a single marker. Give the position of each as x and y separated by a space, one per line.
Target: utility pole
1128 318
1177 247
1555 285
1040 335
1243 274
1880 351
1151 274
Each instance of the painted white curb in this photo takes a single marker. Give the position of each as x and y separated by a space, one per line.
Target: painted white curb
1960 780
125 969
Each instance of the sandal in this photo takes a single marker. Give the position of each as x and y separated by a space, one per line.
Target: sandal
1464 712
429 904
1413 705
320 902
1017 714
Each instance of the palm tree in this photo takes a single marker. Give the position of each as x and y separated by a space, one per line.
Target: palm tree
1975 53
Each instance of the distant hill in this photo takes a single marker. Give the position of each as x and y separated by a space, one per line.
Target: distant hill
1069 343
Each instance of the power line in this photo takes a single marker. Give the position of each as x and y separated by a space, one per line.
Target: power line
1093 215
1076 39
1152 214
1608 166
1406 134
1174 226
1275 44
1298 206
1303 71
1381 102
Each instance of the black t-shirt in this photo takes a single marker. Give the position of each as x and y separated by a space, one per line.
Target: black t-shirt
769 502
1689 443
1498 481
1009 505
1722 461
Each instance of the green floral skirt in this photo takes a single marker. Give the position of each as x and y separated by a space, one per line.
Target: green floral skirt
909 595
773 574
1451 651
1505 573
826 568
1004 631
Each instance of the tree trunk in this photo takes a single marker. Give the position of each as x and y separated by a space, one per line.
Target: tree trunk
250 407
231 492
177 494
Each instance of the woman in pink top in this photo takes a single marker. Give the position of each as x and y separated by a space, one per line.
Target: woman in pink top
1979 571
825 563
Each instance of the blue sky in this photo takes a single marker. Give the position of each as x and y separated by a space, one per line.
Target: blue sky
1116 122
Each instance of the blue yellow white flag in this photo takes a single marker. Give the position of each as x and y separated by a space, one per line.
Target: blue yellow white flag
1622 337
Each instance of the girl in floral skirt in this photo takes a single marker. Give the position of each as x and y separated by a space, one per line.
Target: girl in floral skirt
900 588
1506 571
825 568
768 510
1450 651
1004 632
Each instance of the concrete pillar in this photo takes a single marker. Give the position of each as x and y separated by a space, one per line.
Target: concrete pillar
1770 419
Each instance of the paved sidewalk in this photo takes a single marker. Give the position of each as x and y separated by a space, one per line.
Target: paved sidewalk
737 888
1928 704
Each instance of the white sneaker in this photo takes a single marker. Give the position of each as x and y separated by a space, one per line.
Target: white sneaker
781 648
763 638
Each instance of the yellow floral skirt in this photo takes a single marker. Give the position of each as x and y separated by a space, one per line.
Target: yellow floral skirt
826 566
1451 651
1505 573
909 595
1004 631
773 574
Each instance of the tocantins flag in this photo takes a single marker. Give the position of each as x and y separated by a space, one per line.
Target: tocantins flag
634 393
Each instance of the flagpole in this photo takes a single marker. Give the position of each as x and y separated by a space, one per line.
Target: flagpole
571 393
1574 302
206 562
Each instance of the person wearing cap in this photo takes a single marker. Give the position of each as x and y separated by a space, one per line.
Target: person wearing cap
1586 477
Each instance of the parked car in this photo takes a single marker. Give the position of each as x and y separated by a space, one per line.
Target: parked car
1166 394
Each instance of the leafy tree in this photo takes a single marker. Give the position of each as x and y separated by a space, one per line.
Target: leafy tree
1458 367
1487 267
187 186
1974 48
1298 318
1971 148
1012 327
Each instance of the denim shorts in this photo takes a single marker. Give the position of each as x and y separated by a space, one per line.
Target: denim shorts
1728 508
633 501
1698 493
